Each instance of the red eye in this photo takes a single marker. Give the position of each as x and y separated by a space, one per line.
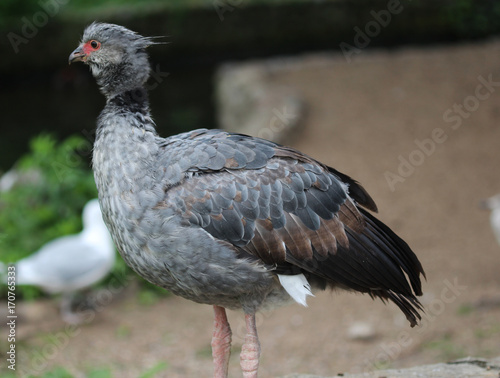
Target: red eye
94 45
91 46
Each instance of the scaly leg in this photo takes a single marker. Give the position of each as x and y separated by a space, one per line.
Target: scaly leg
221 343
250 351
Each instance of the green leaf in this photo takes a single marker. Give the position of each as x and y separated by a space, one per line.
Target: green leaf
150 373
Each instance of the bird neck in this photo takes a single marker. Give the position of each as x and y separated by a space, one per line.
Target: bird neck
133 105
134 101
114 79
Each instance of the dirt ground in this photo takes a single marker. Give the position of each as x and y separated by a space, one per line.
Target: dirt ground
365 118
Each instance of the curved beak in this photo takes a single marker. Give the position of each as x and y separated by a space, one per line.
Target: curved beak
77 56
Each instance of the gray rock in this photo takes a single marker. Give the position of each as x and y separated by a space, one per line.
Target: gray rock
248 102
361 331
463 368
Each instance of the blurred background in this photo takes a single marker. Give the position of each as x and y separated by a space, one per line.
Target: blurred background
384 91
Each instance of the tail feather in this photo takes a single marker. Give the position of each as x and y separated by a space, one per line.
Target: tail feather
397 249
409 305
376 261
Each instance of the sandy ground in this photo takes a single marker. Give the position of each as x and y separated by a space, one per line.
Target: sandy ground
364 118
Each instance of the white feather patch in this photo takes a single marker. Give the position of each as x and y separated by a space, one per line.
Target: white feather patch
297 287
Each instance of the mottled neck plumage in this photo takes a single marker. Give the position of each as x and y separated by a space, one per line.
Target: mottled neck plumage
132 106
130 73
134 101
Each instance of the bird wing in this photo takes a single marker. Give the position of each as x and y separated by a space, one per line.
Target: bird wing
294 214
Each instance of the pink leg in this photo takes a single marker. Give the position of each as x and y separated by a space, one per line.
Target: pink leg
221 343
250 351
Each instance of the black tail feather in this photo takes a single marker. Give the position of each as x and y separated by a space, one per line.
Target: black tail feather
376 262
410 306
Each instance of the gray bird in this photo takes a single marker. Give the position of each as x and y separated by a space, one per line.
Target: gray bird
71 263
227 219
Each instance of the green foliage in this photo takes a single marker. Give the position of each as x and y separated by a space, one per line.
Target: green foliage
447 348
61 372
12 12
58 372
487 332
151 372
15 10
473 18
465 309
55 183
382 365
122 331
47 201
149 295
100 373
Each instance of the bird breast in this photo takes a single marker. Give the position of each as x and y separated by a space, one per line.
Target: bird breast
188 261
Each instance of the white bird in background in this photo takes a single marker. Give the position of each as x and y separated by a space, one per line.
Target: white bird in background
71 263
493 204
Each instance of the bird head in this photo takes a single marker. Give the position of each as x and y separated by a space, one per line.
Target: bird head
116 56
92 214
